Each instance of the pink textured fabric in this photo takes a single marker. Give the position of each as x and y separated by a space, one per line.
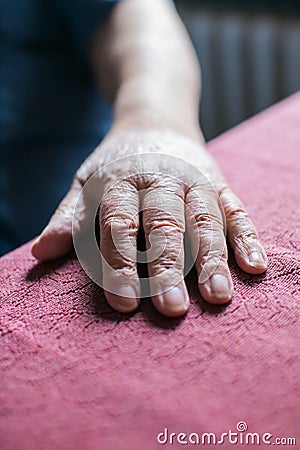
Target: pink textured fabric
77 375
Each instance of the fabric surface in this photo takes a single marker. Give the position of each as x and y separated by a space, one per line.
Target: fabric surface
77 375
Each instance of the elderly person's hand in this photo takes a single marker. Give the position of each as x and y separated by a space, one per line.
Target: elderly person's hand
172 199
144 61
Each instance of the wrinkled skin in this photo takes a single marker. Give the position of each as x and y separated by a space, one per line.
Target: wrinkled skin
212 210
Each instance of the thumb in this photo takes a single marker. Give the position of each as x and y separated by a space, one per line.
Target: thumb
56 238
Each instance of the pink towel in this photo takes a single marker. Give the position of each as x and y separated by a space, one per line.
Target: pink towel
77 375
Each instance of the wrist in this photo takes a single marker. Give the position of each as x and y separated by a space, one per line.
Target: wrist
149 117
146 104
147 121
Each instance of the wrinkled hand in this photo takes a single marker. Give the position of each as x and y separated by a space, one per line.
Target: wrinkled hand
144 170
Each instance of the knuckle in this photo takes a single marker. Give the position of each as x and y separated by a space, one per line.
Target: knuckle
121 270
213 255
119 256
169 261
166 222
171 257
108 225
246 236
236 214
207 220
121 225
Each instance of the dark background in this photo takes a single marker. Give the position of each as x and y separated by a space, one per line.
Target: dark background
249 54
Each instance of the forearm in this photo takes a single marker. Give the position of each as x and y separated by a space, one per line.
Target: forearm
148 67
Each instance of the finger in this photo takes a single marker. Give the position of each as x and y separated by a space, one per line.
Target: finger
249 252
56 238
119 225
163 222
206 231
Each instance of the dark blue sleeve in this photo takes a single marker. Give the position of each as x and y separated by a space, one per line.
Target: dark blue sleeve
82 17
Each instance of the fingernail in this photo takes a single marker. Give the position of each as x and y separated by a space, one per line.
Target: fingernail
220 286
35 242
126 299
175 299
257 259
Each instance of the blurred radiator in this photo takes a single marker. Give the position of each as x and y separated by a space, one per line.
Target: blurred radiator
248 62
